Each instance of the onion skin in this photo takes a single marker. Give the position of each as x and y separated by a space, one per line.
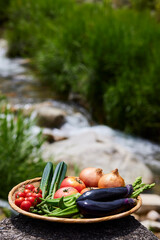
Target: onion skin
111 180
91 176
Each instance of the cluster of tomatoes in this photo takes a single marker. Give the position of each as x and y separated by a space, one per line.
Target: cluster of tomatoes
30 196
69 186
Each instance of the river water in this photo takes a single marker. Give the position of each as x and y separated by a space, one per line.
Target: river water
21 87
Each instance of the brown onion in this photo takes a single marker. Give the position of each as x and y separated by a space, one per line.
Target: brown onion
90 176
112 179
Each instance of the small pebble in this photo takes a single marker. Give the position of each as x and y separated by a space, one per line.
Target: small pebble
153 215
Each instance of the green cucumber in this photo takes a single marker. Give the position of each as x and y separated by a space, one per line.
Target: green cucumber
46 179
58 176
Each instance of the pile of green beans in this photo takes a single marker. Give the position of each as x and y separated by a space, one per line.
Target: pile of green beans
59 207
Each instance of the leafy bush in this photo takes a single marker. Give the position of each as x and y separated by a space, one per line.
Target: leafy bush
32 22
143 4
20 157
4 4
111 57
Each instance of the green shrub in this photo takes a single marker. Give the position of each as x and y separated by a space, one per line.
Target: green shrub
143 4
4 4
20 157
102 50
111 57
32 22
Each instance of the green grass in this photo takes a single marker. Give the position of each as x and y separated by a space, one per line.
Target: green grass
20 156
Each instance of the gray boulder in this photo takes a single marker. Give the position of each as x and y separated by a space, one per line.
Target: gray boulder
47 115
88 149
50 117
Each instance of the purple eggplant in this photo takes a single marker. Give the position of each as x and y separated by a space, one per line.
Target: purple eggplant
107 194
90 208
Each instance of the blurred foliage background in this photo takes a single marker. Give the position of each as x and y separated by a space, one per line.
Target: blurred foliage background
20 150
106 51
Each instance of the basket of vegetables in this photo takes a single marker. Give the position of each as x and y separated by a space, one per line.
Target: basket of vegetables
91 197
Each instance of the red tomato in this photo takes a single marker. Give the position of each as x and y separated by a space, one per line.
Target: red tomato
25 205
74 182
20 194
65 191
37 196
29 186
19 200
37 190
29 194
33 200
26 191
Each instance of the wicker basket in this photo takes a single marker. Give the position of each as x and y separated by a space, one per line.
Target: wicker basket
36 182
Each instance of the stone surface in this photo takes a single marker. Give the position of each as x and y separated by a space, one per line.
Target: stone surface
24 228
90 149
150 201
153 225
153 215
50 117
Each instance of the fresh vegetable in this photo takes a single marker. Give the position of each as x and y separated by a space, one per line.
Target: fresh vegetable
90 208
141 189
58 177
19 200
137 181
37 190
107 194
29 186
74 182
55 202
19 194
25 205
32 200
87 189
58 196
46 178
65 191
26 191
59 207
37 196
62 204
91 176
110 180
29 194
67 212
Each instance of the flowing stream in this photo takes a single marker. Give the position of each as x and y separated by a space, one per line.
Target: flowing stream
21 88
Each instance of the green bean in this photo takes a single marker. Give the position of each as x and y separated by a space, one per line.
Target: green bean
43 200
78 215
67 204
55 201
45 211
65 212
37 211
